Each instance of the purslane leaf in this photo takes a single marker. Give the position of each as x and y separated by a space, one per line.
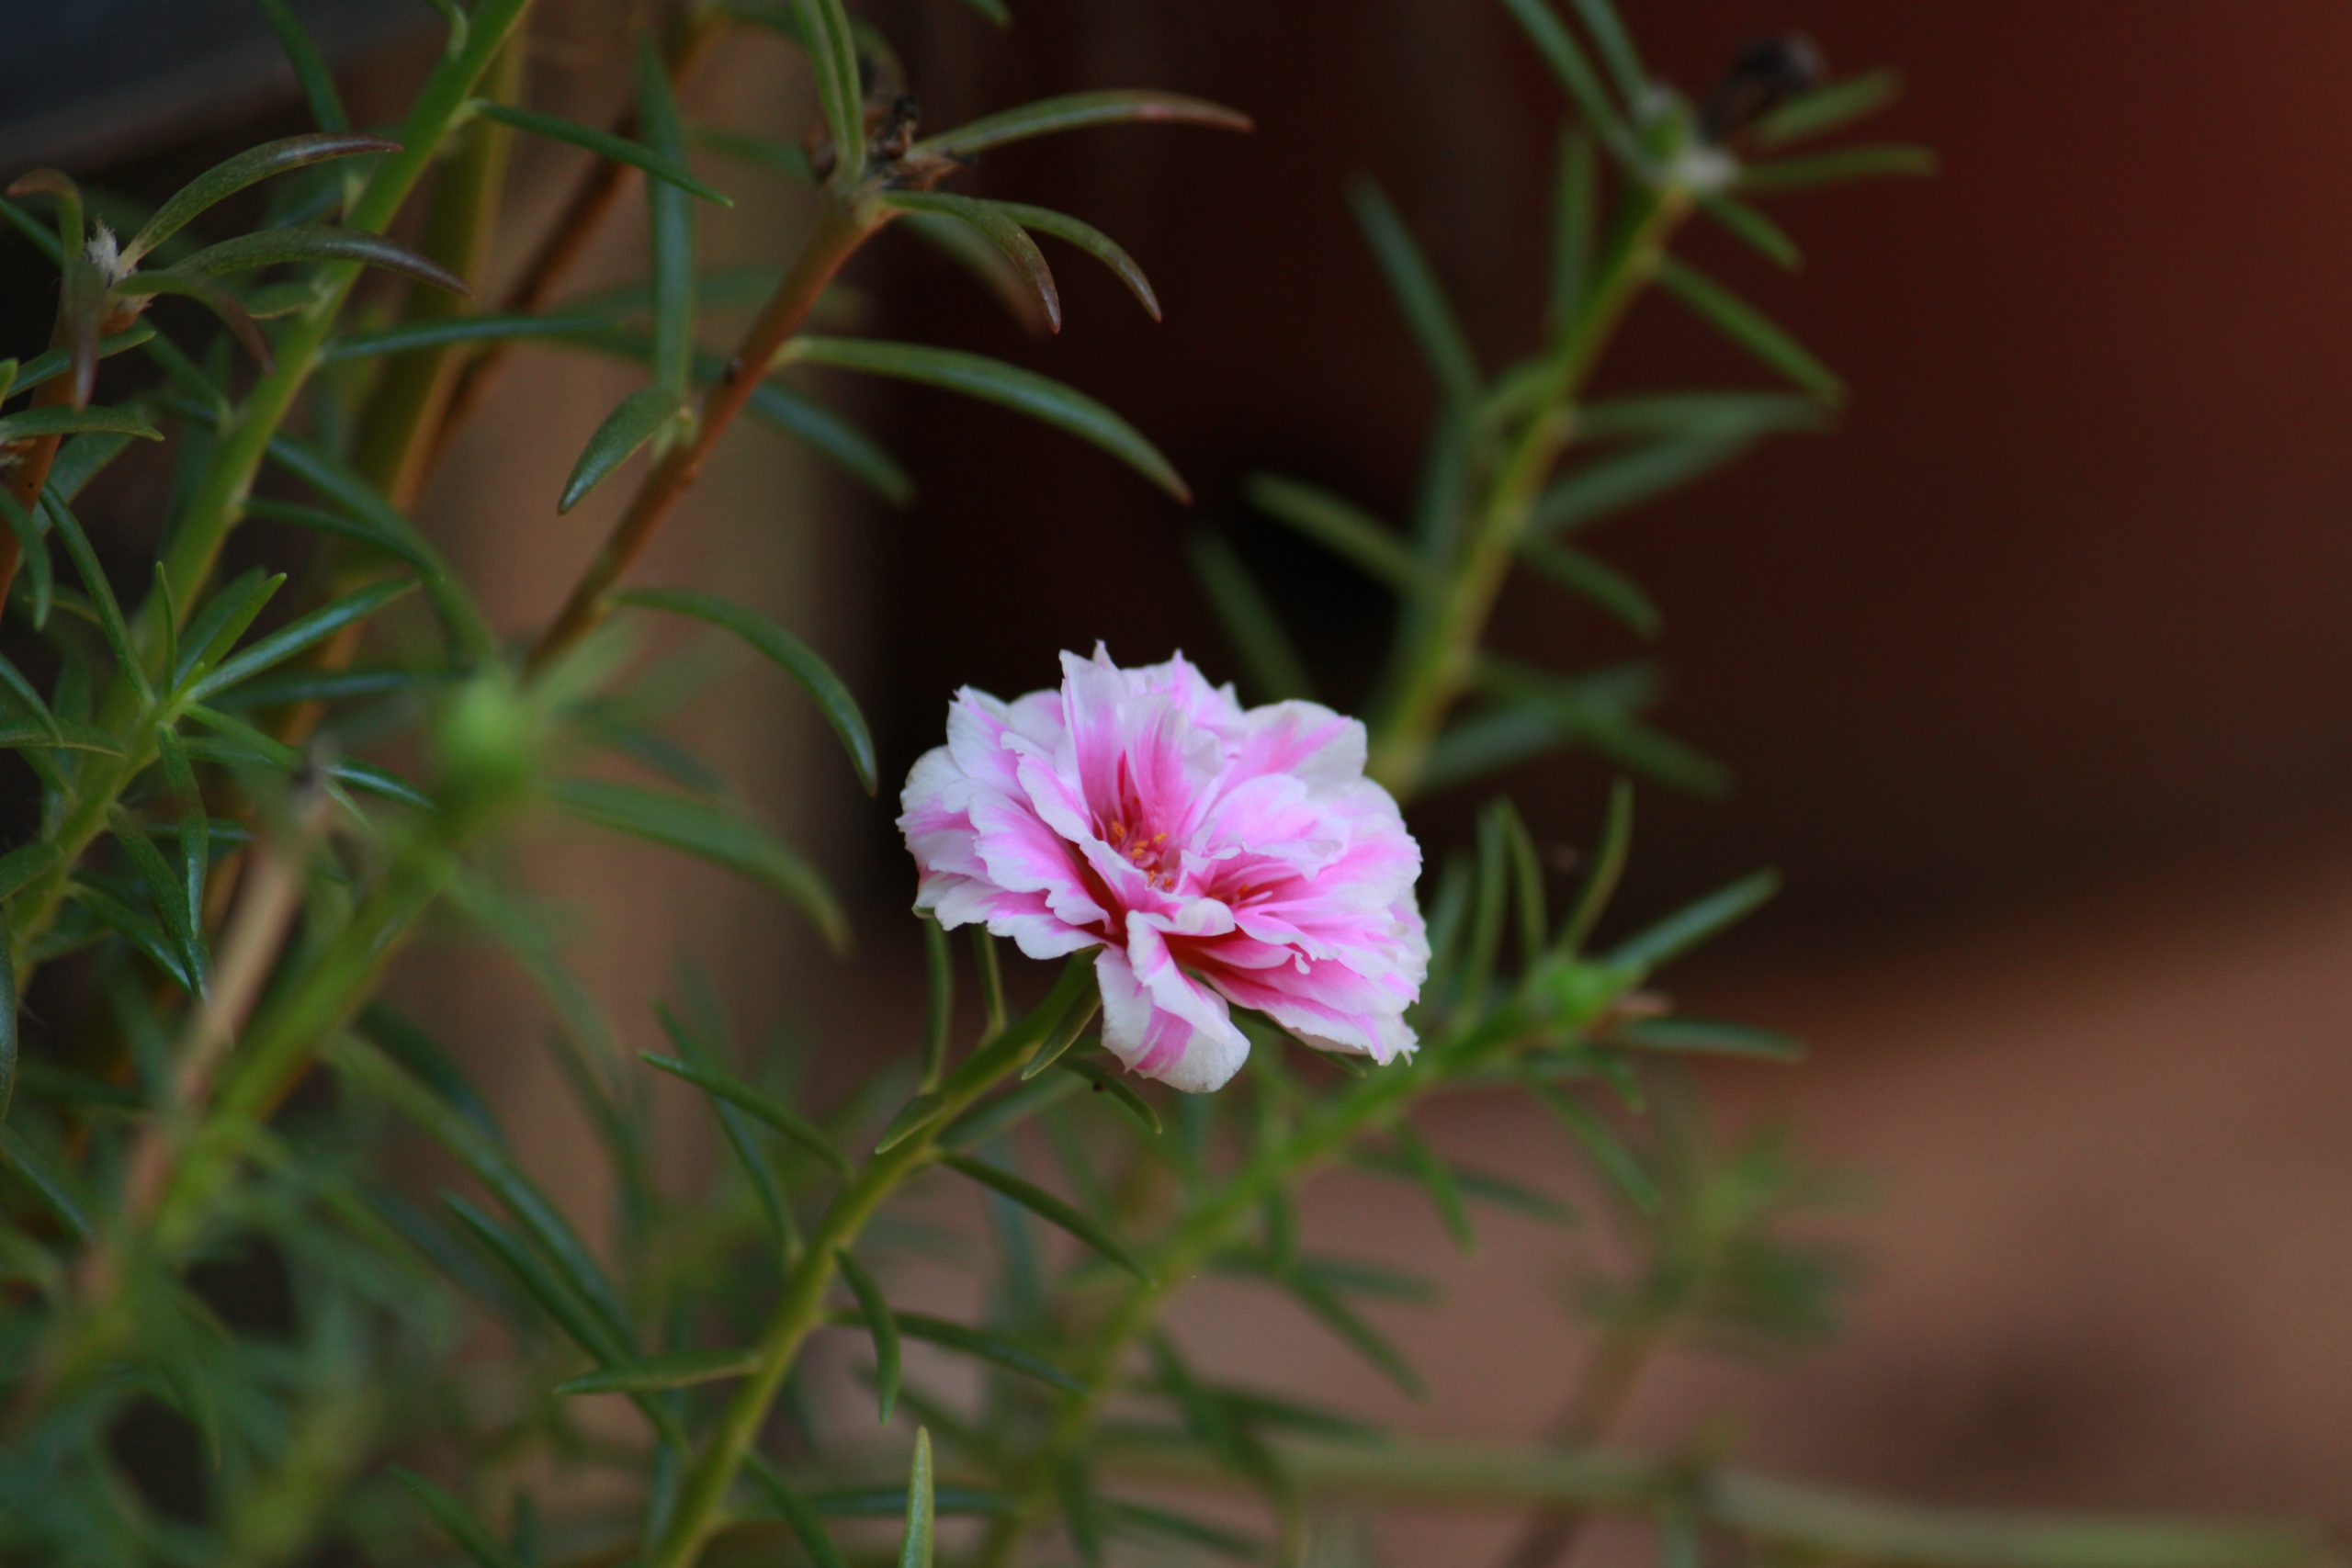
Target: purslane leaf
782 650
833 55
1340 527
993 380
1075 112
305 631
1696 923
1825 110
1049 1208
1835 168
659 165
1418 295
231 175
915 1550
1269 656
640 416
993 223
651 1374
270 247
1747 327
671 219
466 1533
758 1102
879 1324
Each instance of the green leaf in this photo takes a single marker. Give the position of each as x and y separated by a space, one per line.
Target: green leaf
985 1346
1718 416
1418 295
27 423
1076 112
1696 923
915 1548
1747 327
180 916
715 834
1269 657
660 165
559 1301
1606 588
1759 232
272 247
1325 1305
911 1118
216 627
1120 1092
757 1102
311 72
761 152
1437 1179
466 1533
1023 391
939 1001
52 363
1616 48
997 226
226 178
1607 865
1090 239
1708 1037
1182 1530
641 415
879 1322
1617 1162
1845 164
807 1526
832 46
1571 65
1572 227
651 1374
13 679
1825 110
435 332
47 1182
786 652
303 632
671 219
93 578
835 437
1526 880
1606 486
1340 527
1054 1211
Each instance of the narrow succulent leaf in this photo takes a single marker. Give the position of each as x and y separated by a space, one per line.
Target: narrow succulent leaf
1708 1037
1696 923
8 1041
993 223
1090 239
786 652
1419 296
1747 327
226 178
915 1550
213 297
879 1324
1569 62
1269 657
992 1118
963 245
27 423
1838 168
836 438
833 56
762 151
985 1346
303 632
1476 1186
654 164
1325 1305
68 529
547 1289
911 1118
671 219
1623 1167
641 415
456 1521
1572 206
13 679
1605 866
807 1525
165 887
438 331
652 1374
1054 1211
1526 882
311 72
23 863
1584 713
46 1180
1153 1522
272 247
713 833
1599 583
1488 909
1824 110
52 363
984 955
939 1001
1437 1179
427 1061
1622 481
1340 527
1076 112
1717 416
994 381
215 629
1753 229
1615 46
756 1102
1120 1093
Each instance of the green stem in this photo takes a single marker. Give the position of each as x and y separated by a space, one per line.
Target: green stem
801 1308
1439 658
1808 1520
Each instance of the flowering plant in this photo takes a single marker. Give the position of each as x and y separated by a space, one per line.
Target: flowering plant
252 798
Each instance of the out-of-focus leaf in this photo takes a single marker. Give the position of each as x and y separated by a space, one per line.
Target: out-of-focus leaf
311 72
939 1001
879 1322
835 437
1120 1094
1718 416
466 1533
1606 486
270 247
1824 169
786 652
52 363
231 175
1572 227
755 1101
1708 1037
1153 1522
983 1346
762 151
641 415
46 1180
1747 327
1617 1162
994 381
1340 527
1419 296
1054 1211
435 332
1759 232
1596 582
1268 655
1075 112
1697 923
998 227
29 422
1436 1179
807 1526
671 217
1526 882
1605 866
1571 65
651 1374
303 632
833 55
715 834
1325 1305
604 144
1617 51
1825 110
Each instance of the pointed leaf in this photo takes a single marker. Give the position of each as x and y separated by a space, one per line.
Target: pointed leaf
879 1322
755 1101
833 56
1054 1211
434 332
93 578
271 247
1708 1037
1596 582
1090 239
1023 391
1251 622
640 416
1759 232
604 144
651 1374
311 72
1617 51
786 652
915 1549
466 1533
250 167
1571 65
1607 865
1747 327
1122 1094
1572 227
911 1118
671 219
1835 168
1077 110
29 422
46 1181
714 833
304 631
1325 1306
1617 1162
1419 296
1698 923
835 437
1827 108
1340 527
998 228
1718 416
1621 480
985 1346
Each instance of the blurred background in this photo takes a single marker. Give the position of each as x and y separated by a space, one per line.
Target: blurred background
2036 673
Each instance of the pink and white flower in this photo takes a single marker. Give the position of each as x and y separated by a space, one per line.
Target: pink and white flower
1213 854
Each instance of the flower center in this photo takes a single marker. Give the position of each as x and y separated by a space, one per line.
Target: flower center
1148 854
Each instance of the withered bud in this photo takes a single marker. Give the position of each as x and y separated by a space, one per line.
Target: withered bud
1764 74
